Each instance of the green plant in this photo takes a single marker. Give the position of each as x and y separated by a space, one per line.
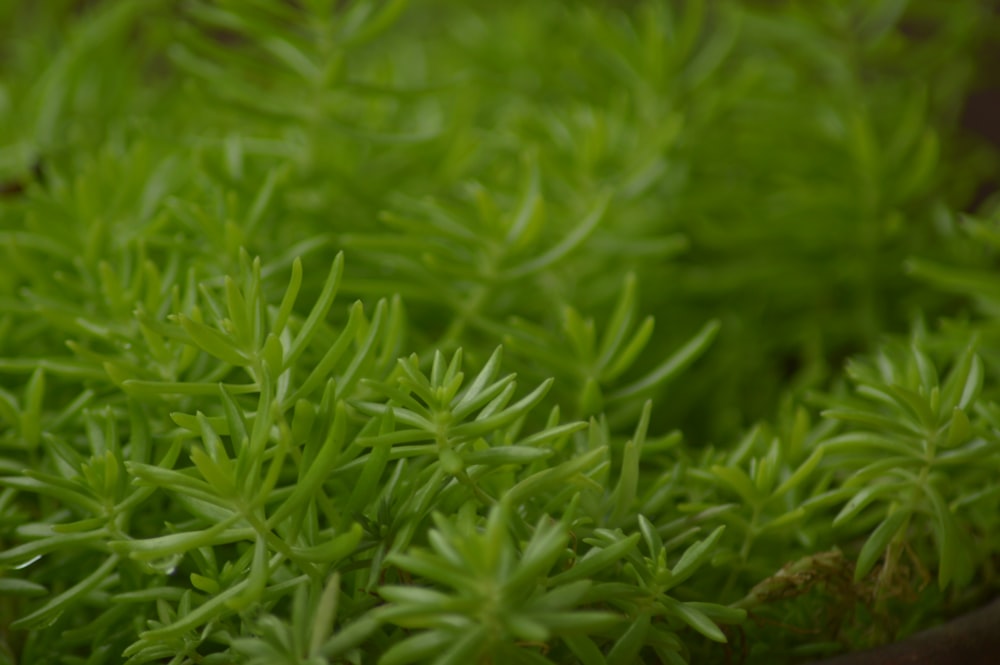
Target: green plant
490 332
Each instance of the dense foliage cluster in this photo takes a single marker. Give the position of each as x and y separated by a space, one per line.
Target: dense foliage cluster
538 331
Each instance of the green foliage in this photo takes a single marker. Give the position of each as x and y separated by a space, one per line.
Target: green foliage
467 332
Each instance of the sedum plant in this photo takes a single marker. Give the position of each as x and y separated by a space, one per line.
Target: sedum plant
463 332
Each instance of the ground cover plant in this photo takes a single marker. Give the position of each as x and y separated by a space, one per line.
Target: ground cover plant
471 332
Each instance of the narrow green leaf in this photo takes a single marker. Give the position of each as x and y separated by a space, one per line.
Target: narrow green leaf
373 26
288 300
260 431
925 368
628 355
800 474
527 209
959 429
324 368
213 444
318 471
367 484
551 433
467 648
916 404
218 475
416 648
527 628
141 388
349 637
737 480
627 647
10 410
597 559
694 557
14 587
879 540
257 579
263 199
973 384
695 618
214 342
863 498
175 481
318 312
572 240
21 554
365 355
235 419
333 550
430 567
652 537
619 323
148 549
67 598
558 598
469 403
977 450
624 493
239 314
672 366
214 607
855 443
543 550
581 335
68 492
719 613
273 354
584 649
325 615
31 416
501 455
947 534
507 415
554 478
485 376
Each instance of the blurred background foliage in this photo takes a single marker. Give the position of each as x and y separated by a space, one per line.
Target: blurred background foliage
768 164
613 191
